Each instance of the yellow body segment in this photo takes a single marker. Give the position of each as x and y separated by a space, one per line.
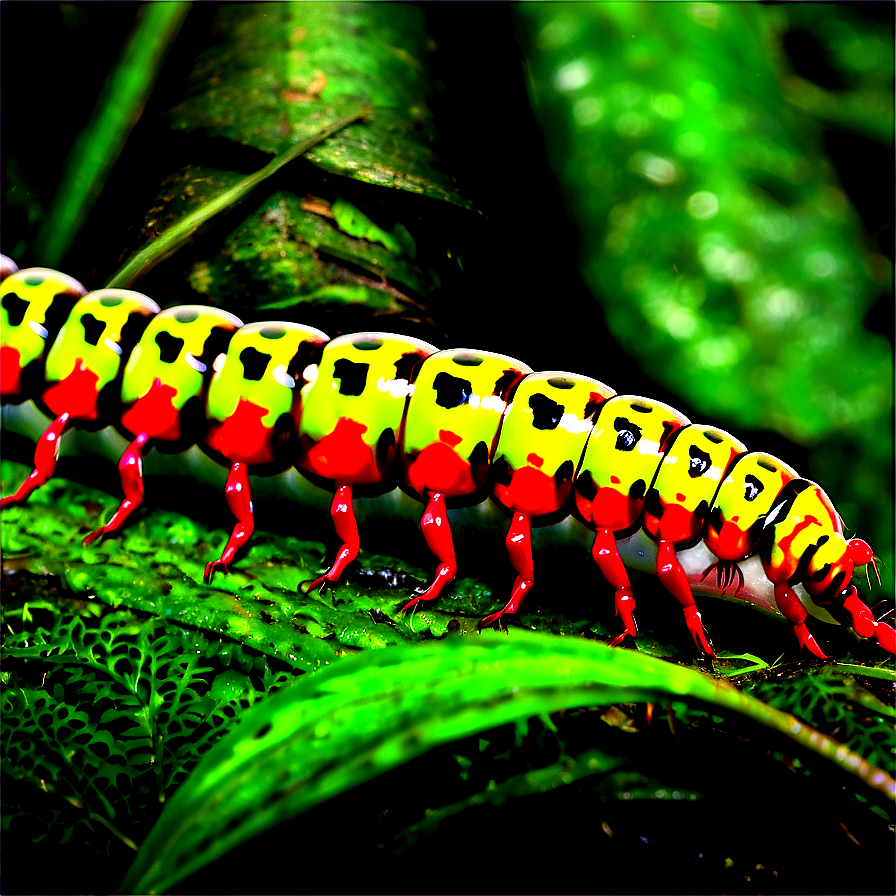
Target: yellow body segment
81 343
182 369
745 496
805 520
453 418
542 437
686 482
34 304
621 459
274 390
352 406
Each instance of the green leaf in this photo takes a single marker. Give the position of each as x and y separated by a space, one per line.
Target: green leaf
345 724
168 242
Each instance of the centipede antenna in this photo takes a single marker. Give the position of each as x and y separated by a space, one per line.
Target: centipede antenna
890 612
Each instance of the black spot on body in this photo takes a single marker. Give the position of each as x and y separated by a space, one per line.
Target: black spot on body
169 347
752 488
451 391
628 434
93 328
638 489
255 363
700 462
15 308
546 413
352 377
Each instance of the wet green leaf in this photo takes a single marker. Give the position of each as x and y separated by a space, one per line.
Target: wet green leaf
345 724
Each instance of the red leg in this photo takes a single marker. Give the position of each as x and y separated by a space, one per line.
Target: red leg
675 581
606 556
347 529
130 467
239 500
794 611
865 626
437 532
519 547
45 456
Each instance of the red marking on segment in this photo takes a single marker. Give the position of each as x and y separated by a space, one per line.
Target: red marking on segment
613 510
680 497
439 469
449 438
242 436
535 460
344 456
154 414
615 480
530 492
10 370
677 524
786 543
733 543
77 394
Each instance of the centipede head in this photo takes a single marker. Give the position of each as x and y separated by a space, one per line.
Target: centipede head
861 555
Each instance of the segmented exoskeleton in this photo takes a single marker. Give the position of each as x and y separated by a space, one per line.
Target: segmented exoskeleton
455 425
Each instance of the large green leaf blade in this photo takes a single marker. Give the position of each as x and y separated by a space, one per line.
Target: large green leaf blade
348 723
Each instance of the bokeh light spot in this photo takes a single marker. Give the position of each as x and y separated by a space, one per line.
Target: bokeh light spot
703 205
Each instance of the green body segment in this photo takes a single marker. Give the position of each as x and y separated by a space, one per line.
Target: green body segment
34 304
621 458
742 502
170 365
254 397
88 355
691 472
542 438
353 408
453 419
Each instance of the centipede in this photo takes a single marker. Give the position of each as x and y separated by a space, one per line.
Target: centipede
377 411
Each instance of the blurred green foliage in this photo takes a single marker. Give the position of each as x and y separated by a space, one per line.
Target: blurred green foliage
714 231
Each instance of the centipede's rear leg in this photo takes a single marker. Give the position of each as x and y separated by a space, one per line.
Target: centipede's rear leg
437 532
606 556
130 468
675 581
239 499
46 454
347 529
519 548
792 607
